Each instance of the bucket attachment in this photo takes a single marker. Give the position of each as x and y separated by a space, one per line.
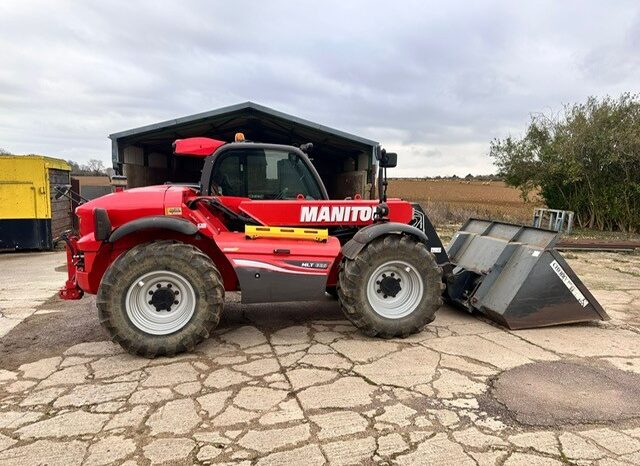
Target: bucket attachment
514 276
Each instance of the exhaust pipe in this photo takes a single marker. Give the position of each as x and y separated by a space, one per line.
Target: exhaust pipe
513 275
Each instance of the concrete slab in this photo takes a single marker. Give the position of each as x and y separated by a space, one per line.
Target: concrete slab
298 384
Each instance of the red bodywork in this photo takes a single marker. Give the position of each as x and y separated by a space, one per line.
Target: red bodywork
237 257
71 289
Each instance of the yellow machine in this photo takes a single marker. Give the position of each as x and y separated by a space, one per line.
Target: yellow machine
30 216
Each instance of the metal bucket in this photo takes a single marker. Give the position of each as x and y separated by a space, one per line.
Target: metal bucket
514 276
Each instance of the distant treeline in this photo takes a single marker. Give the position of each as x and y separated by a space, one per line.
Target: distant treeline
469 177
92 167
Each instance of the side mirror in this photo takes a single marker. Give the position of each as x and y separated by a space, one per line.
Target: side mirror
388 159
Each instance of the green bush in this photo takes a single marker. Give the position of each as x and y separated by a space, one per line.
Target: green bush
587 159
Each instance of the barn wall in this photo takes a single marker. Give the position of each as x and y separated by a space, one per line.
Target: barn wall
144 170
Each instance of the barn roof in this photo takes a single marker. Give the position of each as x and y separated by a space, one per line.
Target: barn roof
259 123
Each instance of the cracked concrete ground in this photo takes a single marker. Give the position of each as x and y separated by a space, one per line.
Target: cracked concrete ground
296 384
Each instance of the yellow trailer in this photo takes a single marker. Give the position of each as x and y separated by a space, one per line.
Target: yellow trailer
30 216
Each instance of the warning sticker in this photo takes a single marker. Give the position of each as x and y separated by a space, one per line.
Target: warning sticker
569 283
173 211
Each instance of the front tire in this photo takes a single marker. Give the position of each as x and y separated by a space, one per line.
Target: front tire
392 288
160 299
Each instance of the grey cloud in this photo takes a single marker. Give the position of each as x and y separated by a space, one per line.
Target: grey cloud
436 80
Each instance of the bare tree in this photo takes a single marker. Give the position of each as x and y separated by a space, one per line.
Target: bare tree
93 167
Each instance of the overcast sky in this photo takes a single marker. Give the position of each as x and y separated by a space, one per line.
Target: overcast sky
434 81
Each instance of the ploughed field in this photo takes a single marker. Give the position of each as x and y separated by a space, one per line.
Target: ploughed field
453 201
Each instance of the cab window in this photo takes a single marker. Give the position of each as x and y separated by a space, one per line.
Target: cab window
263 175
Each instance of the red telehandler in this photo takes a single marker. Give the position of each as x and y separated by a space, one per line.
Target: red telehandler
160 258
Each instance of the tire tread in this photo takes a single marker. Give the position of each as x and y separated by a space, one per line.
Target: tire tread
352 280
112 287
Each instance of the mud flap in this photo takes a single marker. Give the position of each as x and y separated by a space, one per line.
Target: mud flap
514 276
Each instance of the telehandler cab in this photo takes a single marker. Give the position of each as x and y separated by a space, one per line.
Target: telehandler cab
160 258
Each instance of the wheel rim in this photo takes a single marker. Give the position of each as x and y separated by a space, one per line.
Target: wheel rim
149 305
395 289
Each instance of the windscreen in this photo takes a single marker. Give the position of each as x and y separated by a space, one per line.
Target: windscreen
264 174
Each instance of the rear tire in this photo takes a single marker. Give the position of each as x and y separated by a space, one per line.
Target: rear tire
160 299
392 288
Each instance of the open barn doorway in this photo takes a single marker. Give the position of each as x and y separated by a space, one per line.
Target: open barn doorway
345 162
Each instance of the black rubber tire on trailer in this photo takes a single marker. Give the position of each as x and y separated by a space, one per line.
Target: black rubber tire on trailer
170 267
355 276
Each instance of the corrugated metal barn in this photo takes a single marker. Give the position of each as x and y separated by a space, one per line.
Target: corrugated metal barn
345 162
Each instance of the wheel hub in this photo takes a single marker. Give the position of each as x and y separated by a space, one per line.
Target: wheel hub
160 302
395 289
389 285
163 297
